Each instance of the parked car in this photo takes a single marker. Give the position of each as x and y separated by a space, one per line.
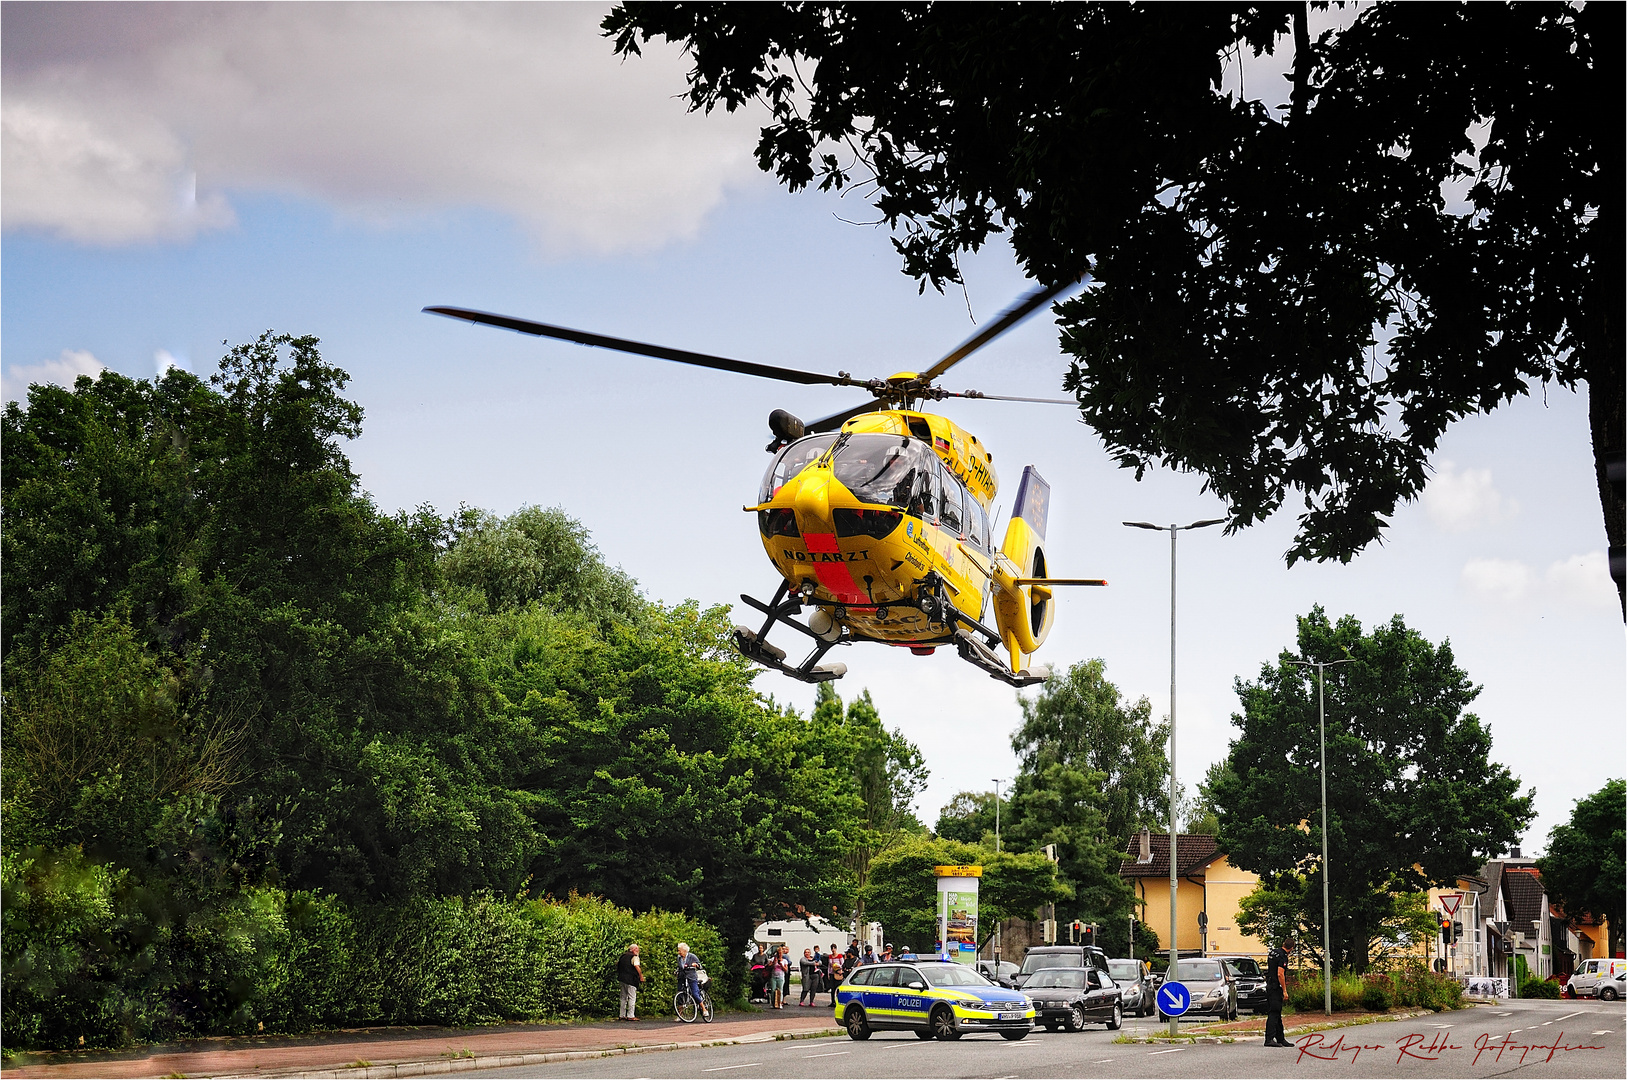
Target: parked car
1134 983
1250 981
1213 990
1597 978
1049 956
1072 997
1000 973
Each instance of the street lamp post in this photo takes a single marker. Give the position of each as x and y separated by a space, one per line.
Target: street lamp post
1174 884
997 851
1322 738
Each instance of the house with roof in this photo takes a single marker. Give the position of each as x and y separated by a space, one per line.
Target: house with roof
1208 891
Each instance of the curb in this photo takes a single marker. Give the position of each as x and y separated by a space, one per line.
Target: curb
508 1061
1301 1029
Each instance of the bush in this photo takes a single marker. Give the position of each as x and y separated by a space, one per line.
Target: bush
1539 988
1419 988
1378 993
90 955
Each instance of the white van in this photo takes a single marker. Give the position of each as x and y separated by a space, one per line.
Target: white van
1598 978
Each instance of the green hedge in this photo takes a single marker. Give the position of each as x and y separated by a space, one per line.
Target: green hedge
90 955
1412 987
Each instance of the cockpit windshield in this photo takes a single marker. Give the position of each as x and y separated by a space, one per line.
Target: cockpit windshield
792 460
892 470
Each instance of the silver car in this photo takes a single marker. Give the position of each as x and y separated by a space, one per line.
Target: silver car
1136 984
1213 990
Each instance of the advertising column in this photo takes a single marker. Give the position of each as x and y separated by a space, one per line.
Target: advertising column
957 912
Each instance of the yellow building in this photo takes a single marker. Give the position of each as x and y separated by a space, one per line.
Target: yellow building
1207 884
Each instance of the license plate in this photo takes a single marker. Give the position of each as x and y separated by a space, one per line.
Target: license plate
1011 1016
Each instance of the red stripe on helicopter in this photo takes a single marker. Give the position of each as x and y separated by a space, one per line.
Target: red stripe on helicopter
834 576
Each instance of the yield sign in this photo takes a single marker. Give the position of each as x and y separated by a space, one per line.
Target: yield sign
1450 902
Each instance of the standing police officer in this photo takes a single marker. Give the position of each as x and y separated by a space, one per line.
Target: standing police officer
1276 990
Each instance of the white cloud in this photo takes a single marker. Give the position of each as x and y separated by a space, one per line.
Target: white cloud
382 110
1498 580
1458 500
163 360
1583 580
62 371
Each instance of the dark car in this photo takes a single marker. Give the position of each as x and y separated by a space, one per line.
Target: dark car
1250 981
998 973
1073 997
1135 983
1213 990
1041 957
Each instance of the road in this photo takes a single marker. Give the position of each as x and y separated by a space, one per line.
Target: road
1517 1038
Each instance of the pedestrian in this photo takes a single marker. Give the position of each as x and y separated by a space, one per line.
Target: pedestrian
808 969
852 955
869 955
1276 990
837 971
886 953
631 976
824 964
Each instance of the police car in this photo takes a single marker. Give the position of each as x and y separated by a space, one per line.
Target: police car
936 999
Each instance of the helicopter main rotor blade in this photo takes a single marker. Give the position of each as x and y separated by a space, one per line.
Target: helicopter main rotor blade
1005 321
978 394
836 420
659 352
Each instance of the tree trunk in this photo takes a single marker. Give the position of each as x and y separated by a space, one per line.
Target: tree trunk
1599 334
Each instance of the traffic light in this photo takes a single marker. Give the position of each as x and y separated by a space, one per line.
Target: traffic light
1090 934
1076 931
1446 930
1457 932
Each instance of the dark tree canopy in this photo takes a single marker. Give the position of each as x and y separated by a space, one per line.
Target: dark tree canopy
1582 868
1414 798
1287 301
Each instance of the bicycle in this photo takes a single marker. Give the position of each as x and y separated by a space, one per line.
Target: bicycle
687 1007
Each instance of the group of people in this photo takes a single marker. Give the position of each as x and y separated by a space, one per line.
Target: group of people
820 972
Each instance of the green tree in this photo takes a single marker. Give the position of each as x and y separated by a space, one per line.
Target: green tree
1289 908
1082 720
968 818
902 893
1061 805
1414 798
537 555
1289 302
1582 868
886 773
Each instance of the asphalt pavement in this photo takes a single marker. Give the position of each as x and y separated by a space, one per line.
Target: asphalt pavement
1516 1038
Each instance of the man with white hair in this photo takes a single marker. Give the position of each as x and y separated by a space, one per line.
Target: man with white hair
631 976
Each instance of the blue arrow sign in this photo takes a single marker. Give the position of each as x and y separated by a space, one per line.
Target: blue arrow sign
1174 998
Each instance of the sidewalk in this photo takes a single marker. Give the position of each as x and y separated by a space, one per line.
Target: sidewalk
391 1052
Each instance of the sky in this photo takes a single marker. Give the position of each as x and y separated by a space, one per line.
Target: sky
176 177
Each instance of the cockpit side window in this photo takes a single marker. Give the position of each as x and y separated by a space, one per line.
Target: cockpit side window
949 509
790 461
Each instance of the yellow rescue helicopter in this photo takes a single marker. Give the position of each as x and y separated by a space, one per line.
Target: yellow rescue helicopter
878 518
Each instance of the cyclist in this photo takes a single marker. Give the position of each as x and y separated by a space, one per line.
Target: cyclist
689 966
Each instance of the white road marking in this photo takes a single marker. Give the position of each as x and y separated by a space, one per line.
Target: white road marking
1567 1016
726 1068
838 1053
1606 1031
1177 1050
1103 1061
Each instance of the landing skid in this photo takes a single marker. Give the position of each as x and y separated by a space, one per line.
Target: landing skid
754 644
968 636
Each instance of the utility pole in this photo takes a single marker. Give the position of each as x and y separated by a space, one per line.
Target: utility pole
997 927
1174 882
